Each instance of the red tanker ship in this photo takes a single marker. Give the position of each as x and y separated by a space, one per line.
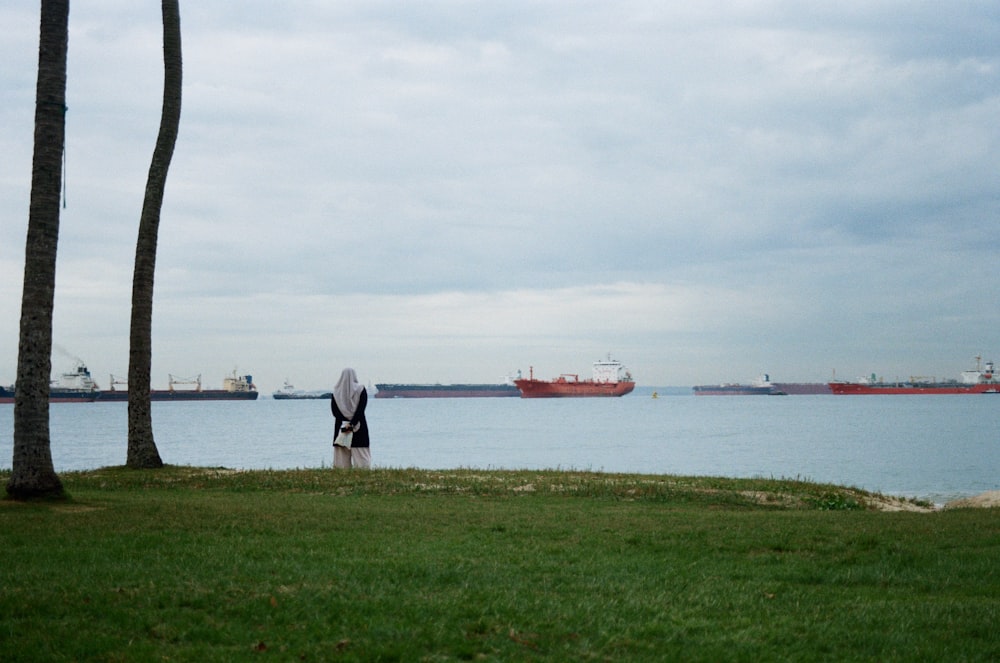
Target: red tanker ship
977 381
609 379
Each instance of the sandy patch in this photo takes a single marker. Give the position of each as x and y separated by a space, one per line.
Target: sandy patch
884 503
989 499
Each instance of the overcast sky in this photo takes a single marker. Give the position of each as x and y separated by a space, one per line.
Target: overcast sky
451 191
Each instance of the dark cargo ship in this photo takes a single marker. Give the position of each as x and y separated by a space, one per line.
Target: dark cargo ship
763 386
76 386
234 388
760 387
386 390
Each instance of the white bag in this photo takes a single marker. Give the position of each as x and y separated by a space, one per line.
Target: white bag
343 439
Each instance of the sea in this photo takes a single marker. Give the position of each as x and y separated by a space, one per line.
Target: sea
936 448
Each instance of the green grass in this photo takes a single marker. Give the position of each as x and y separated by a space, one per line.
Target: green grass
189 564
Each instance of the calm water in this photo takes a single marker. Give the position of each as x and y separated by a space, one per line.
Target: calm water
932 447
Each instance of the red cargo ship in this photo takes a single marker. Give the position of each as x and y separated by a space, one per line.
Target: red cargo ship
978 381
609 379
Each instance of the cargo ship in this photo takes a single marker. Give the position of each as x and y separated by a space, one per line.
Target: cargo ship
56 395
981 380
609 379
289 392
76 386
387 390
234 388
803 388
762 386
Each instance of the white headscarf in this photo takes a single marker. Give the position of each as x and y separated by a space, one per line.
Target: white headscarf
347 392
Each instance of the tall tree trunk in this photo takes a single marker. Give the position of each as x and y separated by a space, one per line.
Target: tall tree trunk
33 474
142 452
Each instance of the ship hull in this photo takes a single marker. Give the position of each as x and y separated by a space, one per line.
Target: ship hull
180 395
774 389
82 396
445 390
61 396
732 390
572 388
301 397
802 388
908 389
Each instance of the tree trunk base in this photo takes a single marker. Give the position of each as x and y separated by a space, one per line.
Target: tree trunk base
36 488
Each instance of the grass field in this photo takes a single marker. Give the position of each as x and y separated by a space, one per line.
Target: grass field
195 564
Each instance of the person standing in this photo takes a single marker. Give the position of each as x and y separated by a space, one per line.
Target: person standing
348 406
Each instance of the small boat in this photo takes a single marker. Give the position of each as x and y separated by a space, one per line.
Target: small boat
289 392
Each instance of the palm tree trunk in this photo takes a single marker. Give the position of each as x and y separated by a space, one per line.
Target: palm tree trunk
142 451
33 474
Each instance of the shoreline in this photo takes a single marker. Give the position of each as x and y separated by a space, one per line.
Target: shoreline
986 500
764 495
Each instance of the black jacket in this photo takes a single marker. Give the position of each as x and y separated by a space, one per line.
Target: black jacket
360 438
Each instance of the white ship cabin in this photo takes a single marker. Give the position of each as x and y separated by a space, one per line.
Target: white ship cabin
979 374
610 371
238 383
77 379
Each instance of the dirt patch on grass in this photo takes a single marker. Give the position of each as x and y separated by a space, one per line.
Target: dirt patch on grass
76 508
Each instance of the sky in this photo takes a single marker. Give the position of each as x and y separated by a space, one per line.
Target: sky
451 191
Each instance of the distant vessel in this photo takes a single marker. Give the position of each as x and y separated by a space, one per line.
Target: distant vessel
981 380
234 388
609 379
76 386
501 389
289 392
803 388
762 386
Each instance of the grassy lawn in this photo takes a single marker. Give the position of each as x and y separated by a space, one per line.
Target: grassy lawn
188 564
